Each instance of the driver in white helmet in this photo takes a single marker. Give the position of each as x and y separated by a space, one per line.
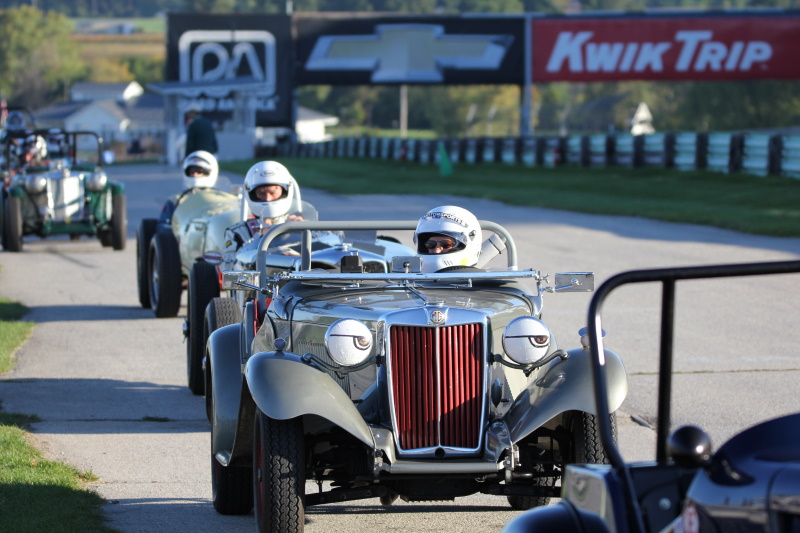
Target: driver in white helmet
200 171
272 197
448 238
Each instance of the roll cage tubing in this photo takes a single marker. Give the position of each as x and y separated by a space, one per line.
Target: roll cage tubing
667 277
307 227
72 137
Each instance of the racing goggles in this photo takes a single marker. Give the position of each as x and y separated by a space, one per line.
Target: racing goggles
194 170
444 244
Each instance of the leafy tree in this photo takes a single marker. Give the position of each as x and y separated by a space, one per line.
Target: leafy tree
37 58
146 70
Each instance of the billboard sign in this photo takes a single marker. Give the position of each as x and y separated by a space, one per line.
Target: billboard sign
363 50
665 48
214 55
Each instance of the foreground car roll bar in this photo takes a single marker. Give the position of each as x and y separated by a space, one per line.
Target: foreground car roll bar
667 277
306 227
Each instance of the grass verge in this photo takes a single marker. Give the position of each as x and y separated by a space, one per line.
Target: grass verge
12 332
37 494
750 204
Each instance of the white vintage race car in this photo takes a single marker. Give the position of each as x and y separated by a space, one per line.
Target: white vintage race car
166 248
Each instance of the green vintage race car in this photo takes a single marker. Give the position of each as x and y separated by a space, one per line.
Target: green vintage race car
400 384
66 192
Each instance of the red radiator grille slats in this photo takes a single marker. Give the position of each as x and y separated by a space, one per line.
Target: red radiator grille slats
437 385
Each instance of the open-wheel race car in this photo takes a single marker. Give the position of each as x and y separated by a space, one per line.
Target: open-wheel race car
204 284
750 484
401 384
57 186
168 247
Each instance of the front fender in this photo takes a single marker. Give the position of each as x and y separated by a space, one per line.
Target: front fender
565 386
284 387
226 384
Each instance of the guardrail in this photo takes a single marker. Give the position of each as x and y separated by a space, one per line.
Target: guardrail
754 153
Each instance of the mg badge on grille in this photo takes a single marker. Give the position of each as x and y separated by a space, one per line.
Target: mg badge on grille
437 317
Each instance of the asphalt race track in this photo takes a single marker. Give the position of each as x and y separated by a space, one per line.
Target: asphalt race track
109 381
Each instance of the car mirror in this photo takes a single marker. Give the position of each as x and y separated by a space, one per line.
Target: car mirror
574 282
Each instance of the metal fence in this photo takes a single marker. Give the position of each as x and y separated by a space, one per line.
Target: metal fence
752 153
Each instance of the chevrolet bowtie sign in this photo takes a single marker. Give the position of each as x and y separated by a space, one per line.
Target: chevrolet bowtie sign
414 50
408 53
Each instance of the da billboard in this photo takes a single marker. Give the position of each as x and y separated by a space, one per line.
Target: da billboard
211 56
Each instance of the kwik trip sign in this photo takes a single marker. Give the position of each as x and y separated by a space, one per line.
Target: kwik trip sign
213 55
665 48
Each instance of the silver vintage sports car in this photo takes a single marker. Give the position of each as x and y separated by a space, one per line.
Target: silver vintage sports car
398 384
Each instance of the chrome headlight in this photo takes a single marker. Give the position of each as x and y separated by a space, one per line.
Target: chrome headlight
526 340
348 341
96 181
35 184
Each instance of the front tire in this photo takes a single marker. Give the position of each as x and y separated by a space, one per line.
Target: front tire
586 444
165 275
583 446
13 229
119 222
144 234
278 474
202 288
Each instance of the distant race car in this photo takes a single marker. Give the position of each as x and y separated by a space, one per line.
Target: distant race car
66 192
167 248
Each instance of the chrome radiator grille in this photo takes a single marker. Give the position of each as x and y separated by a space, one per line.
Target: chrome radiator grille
437 376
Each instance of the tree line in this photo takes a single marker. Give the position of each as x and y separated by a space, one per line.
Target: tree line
39 61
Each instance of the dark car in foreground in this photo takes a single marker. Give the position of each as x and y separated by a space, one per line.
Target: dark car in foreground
750 484
398 384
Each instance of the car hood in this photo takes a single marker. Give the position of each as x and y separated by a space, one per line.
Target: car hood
369 305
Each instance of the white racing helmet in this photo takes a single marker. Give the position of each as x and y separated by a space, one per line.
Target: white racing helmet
455 222
208 165
270 173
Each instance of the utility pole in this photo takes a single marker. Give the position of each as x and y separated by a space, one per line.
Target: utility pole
403 111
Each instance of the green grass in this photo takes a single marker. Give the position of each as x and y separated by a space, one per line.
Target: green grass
41 495
12 332
746 203
37 494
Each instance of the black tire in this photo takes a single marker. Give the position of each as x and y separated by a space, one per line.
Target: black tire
119 222
219 312
13 223
584 447
144 234
231 487
105 238
522 503
278 474
164 267
586 444
203 286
